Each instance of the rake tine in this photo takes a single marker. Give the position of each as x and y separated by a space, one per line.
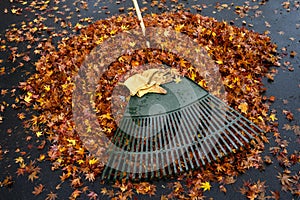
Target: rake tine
225 142
133 144
124 156
244 119
155 144
122 146
210 132
185 118
169 139
217 121
136 155
234 119
142 148
180 139
174 142
197 116
109 159
163 144
228 126
248 127
161 154
241 116
238 131
151 147
112 148
196 130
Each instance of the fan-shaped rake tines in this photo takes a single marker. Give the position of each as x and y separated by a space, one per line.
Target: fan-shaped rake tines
187 128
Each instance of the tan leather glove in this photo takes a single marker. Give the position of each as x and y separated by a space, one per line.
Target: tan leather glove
148 81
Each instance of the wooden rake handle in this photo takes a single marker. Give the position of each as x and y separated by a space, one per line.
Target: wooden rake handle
139 15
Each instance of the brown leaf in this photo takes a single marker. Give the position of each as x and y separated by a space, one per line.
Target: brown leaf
275 195
32 176
38 189
51 196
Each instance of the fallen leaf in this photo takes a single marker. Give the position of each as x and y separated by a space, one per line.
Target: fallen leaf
205 186
38 189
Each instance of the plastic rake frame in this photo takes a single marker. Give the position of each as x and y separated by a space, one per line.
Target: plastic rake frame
161 135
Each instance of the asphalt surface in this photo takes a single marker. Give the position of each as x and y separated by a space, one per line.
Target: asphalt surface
283 27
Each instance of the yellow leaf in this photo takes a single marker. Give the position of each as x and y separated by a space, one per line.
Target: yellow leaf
177 79
179 27
19 160
80 161
112 32
132 44
93 161
236 79
14 11
260 118
106 116
124 27
243 107
219 62
47 88
202 83
73 142
42 157
39 133
27 99
59 160
193 76
205 186
273 117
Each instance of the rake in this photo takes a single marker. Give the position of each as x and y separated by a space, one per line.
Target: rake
165 134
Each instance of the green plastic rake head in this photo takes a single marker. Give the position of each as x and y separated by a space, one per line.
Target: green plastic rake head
187 128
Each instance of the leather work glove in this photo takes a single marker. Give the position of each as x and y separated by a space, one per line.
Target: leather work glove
149 81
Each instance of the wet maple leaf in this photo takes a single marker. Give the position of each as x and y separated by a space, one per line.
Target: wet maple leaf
51 196
27 99
92 195
93 161
273 117
284 178
19 160
33 176
21 116
205 186
20 171
8 180
177 79
293 53
90 177
39 133
76 193
71 141
76 182
38 189
287 127
275 195
243 107
222 188
219 62
288 114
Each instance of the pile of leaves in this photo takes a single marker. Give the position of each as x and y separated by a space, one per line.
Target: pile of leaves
243 57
